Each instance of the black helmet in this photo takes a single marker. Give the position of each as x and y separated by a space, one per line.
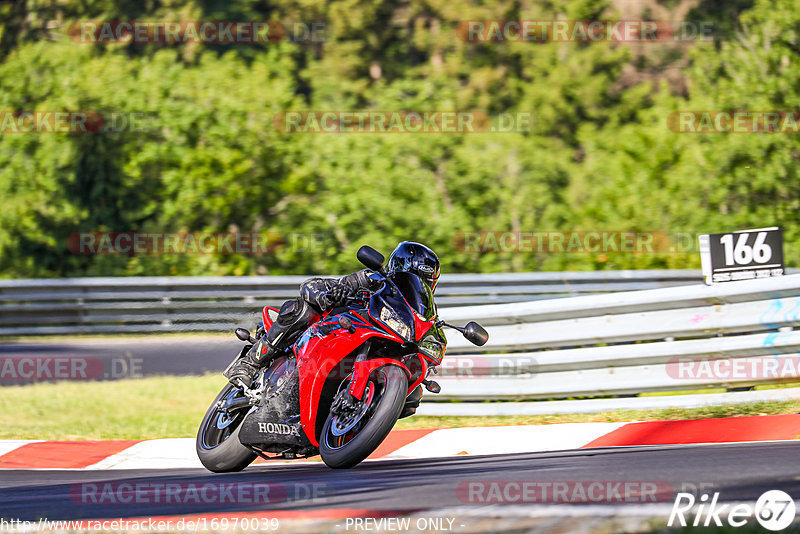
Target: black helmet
415 258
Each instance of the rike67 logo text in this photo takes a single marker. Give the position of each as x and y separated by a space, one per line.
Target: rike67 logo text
774 510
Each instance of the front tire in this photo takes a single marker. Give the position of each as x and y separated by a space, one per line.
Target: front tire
387 388
217 444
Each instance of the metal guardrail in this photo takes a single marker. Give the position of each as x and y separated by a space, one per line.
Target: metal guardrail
627 343
169 304
604 405
597 341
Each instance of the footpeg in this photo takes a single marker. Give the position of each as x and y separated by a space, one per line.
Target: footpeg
432 386
234 404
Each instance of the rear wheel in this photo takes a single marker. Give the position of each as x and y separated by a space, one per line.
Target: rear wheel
354 433
217 444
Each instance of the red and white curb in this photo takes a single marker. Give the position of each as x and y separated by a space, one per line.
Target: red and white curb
403 444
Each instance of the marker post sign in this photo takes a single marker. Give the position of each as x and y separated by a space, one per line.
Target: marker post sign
742 255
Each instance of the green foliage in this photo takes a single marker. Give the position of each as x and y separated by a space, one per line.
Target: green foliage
208 158
655 178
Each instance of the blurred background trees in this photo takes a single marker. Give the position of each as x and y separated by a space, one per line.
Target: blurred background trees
599 155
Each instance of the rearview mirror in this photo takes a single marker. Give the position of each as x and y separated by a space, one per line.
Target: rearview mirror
244 335
371 258
475 334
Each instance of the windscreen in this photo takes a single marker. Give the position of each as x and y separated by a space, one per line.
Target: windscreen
416 292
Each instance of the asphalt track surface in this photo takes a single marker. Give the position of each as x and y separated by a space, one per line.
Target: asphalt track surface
740 472
125 357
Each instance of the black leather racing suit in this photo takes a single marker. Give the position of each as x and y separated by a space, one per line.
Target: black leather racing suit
326 293
317 295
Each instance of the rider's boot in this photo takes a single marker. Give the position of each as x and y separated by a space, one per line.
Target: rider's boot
294 316
246 368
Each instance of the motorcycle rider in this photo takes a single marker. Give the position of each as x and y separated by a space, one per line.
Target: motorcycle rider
318 295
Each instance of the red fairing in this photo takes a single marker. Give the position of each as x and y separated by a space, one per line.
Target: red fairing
266 318
424 366
362 370
317 356
421 326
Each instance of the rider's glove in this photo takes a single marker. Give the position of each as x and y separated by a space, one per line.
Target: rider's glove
337 295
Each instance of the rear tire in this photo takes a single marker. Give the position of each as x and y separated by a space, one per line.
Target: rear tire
219 449
392 383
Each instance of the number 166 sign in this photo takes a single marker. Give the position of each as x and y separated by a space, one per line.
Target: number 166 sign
742 255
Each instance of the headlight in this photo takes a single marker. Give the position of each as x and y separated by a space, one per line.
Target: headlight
393 321
431 347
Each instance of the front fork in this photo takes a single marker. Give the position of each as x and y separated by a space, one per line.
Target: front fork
363 367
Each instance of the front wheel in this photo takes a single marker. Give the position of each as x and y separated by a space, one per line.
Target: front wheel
353 434
218 445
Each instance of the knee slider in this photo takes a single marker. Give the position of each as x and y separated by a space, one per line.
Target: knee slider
290 311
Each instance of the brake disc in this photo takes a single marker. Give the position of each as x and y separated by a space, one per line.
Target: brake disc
343 423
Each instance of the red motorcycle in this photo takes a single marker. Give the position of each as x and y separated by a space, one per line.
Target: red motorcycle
340 388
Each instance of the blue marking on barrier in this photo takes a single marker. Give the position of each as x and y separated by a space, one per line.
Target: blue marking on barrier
793 314
773 310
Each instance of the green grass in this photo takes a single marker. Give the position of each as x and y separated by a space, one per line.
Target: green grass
126 409
170 406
